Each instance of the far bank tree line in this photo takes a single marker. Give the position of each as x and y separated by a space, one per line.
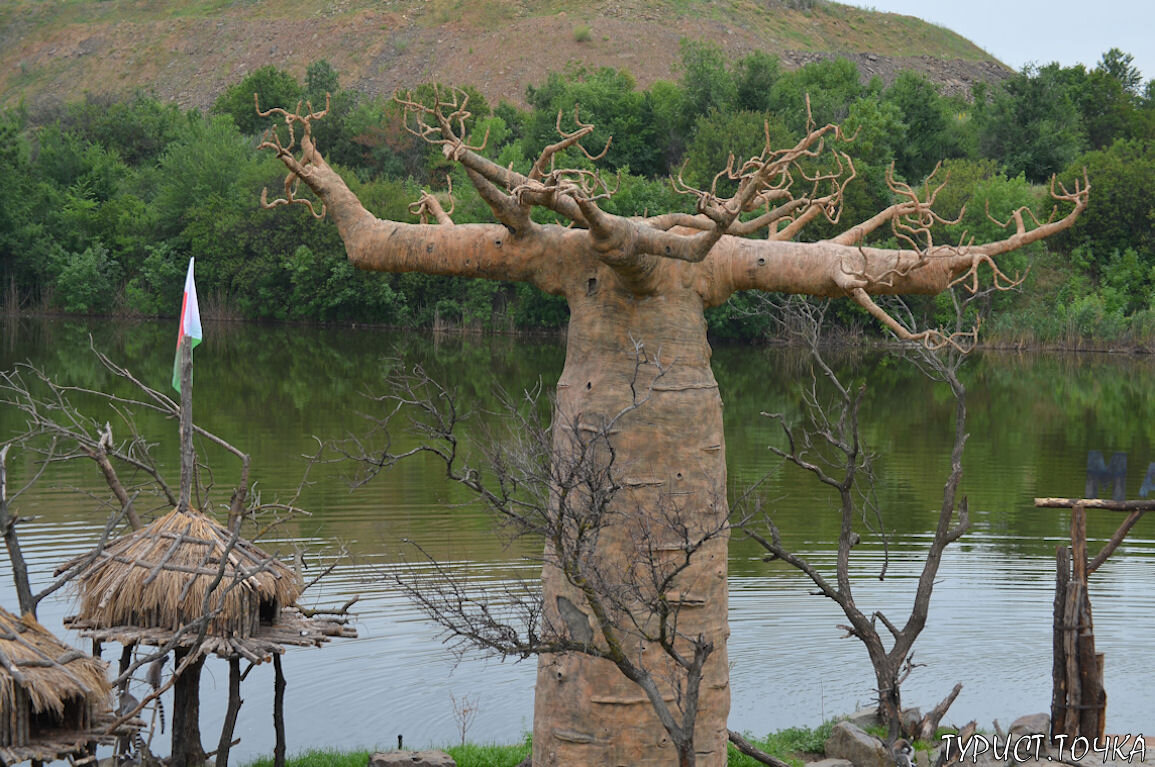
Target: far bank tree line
109 197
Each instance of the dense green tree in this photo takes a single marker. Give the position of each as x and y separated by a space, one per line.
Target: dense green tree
829 86
667 104
159 277
1033 124
19 229
705 81
928 137
1120 67
877 130
380 147
322 87
606 98
138 128
274 88
754 77
720 136
1121 213
1107 109
201 168
85 282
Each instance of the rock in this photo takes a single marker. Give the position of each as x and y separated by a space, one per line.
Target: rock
1036 728
849 741
910 718
411 759
1031 724
865 717
831 763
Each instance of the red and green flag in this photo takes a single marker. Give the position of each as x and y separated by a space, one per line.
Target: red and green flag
190 322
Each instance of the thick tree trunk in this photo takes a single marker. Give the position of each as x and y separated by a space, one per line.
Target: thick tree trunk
670 456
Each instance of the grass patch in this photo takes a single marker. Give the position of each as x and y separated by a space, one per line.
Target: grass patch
469 755
319 757
473 755
786 744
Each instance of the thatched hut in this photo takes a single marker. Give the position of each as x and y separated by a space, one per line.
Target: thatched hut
161 584
143 588
53 699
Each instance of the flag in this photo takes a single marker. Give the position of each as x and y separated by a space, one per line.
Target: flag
190 322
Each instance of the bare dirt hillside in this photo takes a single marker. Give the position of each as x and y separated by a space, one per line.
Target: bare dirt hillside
58 50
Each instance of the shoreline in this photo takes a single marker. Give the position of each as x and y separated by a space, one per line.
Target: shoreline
837 338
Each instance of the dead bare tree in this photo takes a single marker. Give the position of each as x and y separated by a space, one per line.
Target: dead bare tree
571 498
647 280
828 444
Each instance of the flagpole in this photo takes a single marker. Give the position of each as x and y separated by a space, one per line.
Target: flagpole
190 336
187 453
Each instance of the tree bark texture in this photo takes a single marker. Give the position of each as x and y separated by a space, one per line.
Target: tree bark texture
623 342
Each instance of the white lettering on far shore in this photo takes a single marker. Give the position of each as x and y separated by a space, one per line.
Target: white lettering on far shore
1116 748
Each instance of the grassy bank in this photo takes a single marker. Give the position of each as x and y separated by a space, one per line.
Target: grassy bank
789 744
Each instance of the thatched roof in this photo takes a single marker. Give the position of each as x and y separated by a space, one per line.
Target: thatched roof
47 670
157 578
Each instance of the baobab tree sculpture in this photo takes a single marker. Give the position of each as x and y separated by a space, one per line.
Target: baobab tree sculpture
637 289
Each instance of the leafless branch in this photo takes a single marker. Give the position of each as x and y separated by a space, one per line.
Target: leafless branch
828 445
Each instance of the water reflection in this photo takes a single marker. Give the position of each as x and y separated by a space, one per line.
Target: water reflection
271 389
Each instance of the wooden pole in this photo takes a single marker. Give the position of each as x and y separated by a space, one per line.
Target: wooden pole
278 711
226 741
1079 543
187 454
187 750
124 743
1071 655
1058 648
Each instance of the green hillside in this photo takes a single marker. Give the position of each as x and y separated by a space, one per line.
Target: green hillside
58 50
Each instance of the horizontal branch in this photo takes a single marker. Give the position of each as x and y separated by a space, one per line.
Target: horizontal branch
1094 503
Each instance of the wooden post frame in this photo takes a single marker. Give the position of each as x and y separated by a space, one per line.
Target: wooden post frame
1078 698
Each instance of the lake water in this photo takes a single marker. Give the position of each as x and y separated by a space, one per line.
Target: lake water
274 390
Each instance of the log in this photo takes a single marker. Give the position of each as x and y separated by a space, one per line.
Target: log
752 751
1094 503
